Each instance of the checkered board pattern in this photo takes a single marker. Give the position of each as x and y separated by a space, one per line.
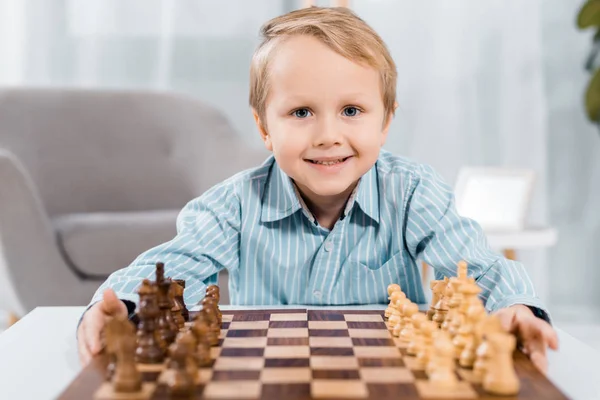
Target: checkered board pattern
300 354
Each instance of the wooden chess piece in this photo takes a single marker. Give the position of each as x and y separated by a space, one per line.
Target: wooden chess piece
126 377
437 288
188 339
441 307
427 330
184 311
176 292
415 344
398 299
167 328
201 331
394 287
501 377
209 304
441 372
475 314
149 349
408 331
208 314
453 304
179 381
469 290
488 325
212 292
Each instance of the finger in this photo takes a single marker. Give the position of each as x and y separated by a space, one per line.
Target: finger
93 327
549 334
82 347
112 305
506 316
540 361
537 352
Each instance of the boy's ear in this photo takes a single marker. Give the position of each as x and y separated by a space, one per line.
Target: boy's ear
263 132
386 125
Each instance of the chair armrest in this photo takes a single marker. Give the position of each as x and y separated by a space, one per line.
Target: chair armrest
31 259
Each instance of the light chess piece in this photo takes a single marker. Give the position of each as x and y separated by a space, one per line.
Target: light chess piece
394 287
415 343
442 373
501 377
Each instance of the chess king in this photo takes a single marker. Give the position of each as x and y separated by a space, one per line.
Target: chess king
330 217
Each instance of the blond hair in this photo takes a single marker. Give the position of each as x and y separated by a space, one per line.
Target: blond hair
338 28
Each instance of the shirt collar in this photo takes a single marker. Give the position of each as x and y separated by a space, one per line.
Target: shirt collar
283 199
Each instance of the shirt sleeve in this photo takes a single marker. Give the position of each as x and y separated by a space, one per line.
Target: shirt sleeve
436 234
207 241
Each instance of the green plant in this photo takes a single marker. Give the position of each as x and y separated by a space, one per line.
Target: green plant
589 17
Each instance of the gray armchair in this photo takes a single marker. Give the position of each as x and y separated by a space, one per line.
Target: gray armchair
90 179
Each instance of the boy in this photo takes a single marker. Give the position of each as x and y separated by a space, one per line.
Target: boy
330 218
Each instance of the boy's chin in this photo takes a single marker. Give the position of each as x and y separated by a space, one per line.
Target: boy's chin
331 189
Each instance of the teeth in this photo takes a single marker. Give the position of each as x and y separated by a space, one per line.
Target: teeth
328 162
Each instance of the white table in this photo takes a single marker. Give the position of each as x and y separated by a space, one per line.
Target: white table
38 358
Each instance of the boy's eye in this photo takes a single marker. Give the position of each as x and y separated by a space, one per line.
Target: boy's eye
351 111
302 113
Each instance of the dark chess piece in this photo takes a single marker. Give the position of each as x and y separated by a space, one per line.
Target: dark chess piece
176 291
210 314
126 377
213 292
188 339
179 381
184 311
209 302
149 348
201 332
167 328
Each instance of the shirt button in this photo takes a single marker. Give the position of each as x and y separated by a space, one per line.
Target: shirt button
317 294
328 246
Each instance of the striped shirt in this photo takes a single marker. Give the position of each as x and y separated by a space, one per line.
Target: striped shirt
257 226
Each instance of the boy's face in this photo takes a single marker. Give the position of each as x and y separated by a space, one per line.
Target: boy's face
324 118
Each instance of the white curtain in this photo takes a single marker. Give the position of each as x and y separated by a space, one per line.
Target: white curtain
472 82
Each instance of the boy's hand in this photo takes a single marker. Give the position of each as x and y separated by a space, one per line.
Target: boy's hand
92 324
533 334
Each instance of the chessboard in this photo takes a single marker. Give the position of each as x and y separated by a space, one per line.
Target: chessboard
308 354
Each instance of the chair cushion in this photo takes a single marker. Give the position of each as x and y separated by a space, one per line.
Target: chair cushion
97 244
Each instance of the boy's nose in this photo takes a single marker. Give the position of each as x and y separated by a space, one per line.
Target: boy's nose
328 133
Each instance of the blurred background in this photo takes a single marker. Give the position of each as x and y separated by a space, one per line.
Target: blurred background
499 84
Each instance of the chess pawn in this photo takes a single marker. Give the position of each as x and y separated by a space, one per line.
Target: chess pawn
126 377
209 308
167 328
440 311
179 381
427 329
176 292
474 315
188 340
395 313
149 349
184 311
482 354
501 378
453 304
441 373
437 288
394 287
407 332
414 345
201 332
212 292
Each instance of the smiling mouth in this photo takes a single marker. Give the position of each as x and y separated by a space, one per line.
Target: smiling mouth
329 162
